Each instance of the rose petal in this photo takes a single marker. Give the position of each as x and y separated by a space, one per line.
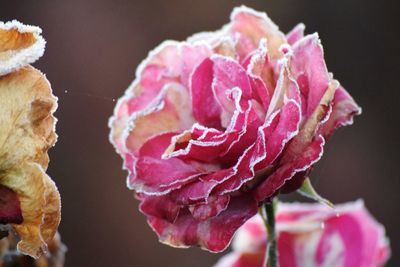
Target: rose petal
271 139
161 66
289 167
343 110
153 175
170 112
10 209
309 70
296 34
252 26
26 120
214 206
27 131
214 234
206 109
262 72
192 56
207 145
20 45
40 205
159 206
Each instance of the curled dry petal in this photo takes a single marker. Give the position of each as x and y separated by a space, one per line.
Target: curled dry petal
20 45
314 235
239 113
27 131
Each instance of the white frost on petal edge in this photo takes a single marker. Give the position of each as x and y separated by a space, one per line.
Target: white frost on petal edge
20 58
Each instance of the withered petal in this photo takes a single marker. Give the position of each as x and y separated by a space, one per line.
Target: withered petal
27 131
19 45
40 205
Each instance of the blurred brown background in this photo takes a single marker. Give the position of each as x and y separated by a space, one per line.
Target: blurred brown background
92 51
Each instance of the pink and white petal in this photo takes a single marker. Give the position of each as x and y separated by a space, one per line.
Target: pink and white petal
291 253
167 55
260 93
288 167
344 108
279 129
286 88
192 56
304 140
161 66
308 68
199 190
270 142
225 46
214 206
205 107
159 206
229 75
170 112
229 260
251 237
252 26
213 146
359 231
296 34
213 234
153 175
261 73
242 260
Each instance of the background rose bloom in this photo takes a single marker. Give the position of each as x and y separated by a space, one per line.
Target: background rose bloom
213 126
314 235
29 199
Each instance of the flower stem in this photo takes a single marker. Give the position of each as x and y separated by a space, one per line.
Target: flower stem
269 220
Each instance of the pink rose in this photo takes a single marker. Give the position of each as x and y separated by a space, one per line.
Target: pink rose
214 125
313 235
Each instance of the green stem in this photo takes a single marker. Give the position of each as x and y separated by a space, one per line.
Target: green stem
269 220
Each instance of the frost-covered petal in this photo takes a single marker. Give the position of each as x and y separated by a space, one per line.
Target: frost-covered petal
214 234
308 68
289 167
214 206
20 45
296 34
192 56
153 175
161 66
271 139
169 112
206 109
213 146
304 150
252 26
344 108
159 206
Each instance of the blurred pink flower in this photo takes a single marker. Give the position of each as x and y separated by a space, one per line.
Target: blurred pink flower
214 125
313 235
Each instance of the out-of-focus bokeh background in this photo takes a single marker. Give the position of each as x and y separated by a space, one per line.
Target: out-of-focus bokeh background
92 52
